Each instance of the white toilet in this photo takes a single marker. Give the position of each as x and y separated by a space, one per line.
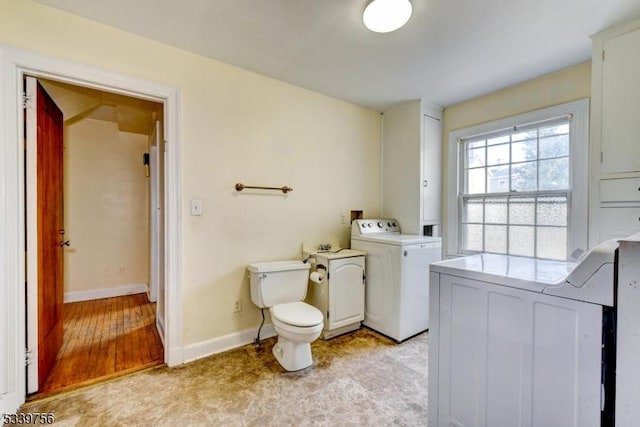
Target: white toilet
281 286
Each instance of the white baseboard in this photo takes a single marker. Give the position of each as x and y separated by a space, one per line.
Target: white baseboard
10 402
227 342
105 293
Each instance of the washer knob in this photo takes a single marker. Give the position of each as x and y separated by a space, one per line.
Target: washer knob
380 224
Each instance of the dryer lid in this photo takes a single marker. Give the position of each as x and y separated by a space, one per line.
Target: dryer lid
297 314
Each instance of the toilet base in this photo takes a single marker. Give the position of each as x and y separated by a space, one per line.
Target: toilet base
292 356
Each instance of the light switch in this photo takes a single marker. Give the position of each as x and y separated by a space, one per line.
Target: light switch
196 207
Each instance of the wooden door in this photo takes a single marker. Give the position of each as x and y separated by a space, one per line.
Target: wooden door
49 241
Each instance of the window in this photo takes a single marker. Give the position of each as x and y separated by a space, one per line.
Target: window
521 188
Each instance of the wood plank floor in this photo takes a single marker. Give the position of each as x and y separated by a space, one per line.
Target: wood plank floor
105 338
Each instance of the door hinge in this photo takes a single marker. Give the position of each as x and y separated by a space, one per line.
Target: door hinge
164 145
327 314
27 101
364 279
602 55
28 357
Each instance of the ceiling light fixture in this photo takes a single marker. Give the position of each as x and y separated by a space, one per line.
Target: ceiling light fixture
384 16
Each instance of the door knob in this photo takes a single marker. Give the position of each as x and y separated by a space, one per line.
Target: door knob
65 243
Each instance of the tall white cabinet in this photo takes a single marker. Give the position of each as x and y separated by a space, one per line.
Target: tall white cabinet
411 166
615 133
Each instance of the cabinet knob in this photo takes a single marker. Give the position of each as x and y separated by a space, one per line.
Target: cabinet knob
425 183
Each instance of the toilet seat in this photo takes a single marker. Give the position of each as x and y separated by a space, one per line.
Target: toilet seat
298 314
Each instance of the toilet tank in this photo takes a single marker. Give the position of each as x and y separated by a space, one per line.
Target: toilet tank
278 282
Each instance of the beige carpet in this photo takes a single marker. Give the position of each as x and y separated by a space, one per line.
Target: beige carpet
359 379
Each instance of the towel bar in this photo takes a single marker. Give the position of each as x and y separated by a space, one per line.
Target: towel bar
285 189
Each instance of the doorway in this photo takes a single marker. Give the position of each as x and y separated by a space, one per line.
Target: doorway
16 63
101 228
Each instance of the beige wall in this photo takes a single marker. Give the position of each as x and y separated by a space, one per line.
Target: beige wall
105 207
237 126
566 85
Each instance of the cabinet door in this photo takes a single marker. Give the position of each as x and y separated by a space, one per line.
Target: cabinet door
619 222
620 190
346 291
621 104
513 358
431 164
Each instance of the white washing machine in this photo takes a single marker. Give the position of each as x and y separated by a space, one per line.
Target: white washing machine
397 276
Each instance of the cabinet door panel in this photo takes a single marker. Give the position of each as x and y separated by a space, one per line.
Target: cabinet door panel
620 106
346 291
431 169
505 363
620 190
619 222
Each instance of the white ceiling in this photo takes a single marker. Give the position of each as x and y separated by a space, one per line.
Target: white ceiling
450 50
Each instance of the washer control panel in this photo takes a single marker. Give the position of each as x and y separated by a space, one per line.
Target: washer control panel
370 226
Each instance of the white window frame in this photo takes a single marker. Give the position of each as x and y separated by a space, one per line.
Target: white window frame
577 225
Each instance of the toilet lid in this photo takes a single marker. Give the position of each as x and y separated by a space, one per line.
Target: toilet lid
297 314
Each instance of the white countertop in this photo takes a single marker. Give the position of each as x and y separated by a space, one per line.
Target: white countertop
341 253
519 272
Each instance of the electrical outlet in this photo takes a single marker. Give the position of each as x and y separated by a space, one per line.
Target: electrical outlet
237 306
196 207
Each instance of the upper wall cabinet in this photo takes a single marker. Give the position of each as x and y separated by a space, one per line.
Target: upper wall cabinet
620 82
615 134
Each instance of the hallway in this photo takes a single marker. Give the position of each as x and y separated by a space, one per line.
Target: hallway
103 339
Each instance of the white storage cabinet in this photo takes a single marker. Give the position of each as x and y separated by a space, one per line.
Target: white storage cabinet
340 297
615 133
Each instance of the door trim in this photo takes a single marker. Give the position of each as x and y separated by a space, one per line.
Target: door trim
14 64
